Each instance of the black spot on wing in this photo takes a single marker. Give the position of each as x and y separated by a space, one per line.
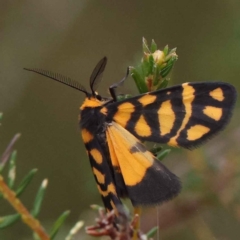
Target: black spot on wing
138 147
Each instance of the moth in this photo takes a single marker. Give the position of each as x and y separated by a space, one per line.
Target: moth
185 116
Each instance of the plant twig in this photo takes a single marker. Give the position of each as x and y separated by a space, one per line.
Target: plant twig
33 223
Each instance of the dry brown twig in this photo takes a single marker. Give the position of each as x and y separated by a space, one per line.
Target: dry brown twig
117 228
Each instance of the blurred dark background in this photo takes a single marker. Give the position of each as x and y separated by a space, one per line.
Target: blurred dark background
70 37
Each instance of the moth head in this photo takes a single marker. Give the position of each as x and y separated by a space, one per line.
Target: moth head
95 78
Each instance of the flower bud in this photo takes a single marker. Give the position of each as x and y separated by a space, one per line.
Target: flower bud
159 57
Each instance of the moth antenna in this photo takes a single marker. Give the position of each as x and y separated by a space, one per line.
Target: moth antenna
59 78
97 73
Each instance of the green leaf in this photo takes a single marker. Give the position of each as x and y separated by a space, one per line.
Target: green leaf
145 46
144 68
74 230
153 46
163 154
39 198
172 51
152 232
123 96
157 76
12 169
163 84
165 71
59 222
165 50
156 149
150 66
139 80
25 182
9 220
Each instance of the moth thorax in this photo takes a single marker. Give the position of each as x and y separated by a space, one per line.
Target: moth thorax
91 102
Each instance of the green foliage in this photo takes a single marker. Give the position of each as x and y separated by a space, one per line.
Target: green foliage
9 157
57 225
151 74
25 182
9 220
152 232
161 155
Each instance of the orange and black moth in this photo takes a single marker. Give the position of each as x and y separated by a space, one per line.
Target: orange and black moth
185 115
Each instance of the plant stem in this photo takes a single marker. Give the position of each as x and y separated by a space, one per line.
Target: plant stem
33 223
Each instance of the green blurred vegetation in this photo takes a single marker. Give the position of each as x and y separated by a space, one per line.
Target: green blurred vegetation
69 37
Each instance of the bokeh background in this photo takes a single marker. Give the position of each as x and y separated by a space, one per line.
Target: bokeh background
69 37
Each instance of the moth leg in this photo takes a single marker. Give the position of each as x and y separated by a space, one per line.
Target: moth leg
115 85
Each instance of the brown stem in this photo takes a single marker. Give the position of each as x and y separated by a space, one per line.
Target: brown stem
33 223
